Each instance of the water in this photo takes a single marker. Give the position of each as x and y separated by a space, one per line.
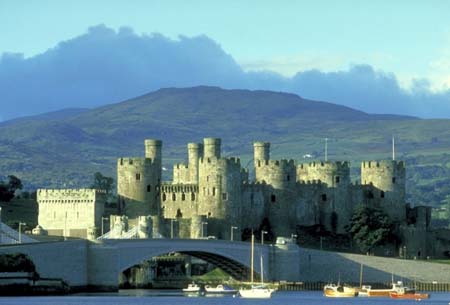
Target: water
155 297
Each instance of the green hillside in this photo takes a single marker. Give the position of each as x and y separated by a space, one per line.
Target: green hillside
65 148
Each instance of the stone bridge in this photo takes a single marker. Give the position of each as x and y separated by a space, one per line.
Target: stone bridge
97 265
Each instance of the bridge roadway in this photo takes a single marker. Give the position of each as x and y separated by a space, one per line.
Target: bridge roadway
96 265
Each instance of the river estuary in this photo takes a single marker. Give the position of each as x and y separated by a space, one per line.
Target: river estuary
155 297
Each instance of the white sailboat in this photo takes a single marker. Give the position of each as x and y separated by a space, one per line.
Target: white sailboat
260 291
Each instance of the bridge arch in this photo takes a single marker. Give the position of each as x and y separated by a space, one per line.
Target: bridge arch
232 257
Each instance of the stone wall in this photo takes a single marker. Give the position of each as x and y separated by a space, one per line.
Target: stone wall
70 212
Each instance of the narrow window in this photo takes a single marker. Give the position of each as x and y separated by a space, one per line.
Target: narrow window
224 196
324 197
273 198
192 197
214 191
382 194
174 197
393 180
179 214
138 176
164 197
337 179
149 188
288 178
183 197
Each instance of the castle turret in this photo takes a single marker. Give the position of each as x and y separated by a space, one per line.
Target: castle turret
211 148
153 151
388 181
261 151
195 151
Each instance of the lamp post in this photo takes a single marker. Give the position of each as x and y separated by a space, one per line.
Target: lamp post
171 227
1 229
103 218
262 236
203 232
232 230
293 236
20 231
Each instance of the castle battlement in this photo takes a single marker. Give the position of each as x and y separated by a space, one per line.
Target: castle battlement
229 161
281 163
69 195
179 188
181 166
134 161
399 165
311 182
325 164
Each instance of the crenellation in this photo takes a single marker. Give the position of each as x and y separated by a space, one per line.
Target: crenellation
218 191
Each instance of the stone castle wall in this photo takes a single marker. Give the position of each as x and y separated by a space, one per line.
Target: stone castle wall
70 212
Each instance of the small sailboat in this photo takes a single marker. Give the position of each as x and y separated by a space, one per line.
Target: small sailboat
256 291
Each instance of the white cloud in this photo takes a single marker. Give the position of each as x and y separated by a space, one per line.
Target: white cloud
290 65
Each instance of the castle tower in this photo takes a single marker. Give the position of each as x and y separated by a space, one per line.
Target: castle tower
195 151
138 181
211 148
153 151
280 177
336 204
220 184
333 174
388 180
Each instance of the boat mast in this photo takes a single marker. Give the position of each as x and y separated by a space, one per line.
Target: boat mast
360 275
262 269
251 259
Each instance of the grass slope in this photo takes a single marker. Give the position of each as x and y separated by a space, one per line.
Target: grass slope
64 149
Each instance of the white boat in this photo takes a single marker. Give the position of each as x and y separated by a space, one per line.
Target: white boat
193 290
257 292
220 289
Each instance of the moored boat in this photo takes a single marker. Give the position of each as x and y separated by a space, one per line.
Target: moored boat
220 289
256 292
339 291
363 290
396 288
193 290
409 295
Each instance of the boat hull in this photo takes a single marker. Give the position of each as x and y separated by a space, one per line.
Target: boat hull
256 293
410 296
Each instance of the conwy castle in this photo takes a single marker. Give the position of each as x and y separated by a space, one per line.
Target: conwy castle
213 196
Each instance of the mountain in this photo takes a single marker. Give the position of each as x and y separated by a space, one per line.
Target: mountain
65 149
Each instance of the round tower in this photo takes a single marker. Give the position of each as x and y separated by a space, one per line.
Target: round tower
195 151
211 148
387 179
220 196
138 181
261 151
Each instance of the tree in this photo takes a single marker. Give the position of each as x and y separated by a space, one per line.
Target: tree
7 190
370 227
103 183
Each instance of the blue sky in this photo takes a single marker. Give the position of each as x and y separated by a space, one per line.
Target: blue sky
406 39
410 38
